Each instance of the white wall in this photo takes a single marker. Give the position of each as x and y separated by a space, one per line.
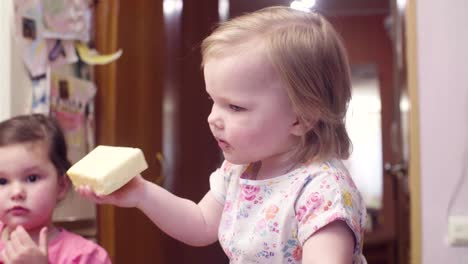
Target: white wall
15 85
6 10
442 38
21 85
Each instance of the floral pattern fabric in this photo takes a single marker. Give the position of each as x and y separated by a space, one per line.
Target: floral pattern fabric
268 221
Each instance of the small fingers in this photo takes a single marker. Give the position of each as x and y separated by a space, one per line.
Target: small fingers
88 193
8 253
4 256
21 237
84 190
43 240
19 242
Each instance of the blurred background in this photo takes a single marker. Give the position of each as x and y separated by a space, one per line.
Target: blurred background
407 118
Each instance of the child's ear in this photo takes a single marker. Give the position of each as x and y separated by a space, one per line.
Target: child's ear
64 185
301 127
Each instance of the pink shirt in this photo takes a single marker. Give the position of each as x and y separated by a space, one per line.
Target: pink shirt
69 248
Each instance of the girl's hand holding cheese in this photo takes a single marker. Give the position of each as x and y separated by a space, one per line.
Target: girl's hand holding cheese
107 174
127 196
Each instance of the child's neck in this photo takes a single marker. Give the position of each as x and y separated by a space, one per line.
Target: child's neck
269 170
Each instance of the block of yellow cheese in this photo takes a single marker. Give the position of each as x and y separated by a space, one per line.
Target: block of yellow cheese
107 168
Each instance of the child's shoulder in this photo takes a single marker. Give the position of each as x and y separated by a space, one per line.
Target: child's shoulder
326 168
328 175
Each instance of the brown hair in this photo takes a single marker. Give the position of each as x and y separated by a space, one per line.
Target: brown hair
35 128
311 60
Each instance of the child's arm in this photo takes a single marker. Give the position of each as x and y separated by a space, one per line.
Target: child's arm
191 223
332 244
184 220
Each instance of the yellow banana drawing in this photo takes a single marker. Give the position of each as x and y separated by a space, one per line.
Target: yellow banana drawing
93 58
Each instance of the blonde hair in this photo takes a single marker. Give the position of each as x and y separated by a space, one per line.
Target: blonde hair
311 60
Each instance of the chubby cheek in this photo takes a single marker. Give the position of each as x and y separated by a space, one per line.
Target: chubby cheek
4 198
239 136
46 205
43 212
248 142
2 210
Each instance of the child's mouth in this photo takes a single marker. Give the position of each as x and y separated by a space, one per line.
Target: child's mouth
18 210
223 144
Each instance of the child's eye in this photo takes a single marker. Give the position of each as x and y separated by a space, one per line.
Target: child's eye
236 108
3 181
32 178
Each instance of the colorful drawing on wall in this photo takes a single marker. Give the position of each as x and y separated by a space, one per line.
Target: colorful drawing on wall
66 19
46 30
71 104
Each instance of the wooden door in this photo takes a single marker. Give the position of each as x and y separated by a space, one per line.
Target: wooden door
129 113
191 152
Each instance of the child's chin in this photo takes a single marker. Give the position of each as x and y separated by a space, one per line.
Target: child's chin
14 224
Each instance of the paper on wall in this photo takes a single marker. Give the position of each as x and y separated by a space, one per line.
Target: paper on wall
66 19
40 96
38 52
71 105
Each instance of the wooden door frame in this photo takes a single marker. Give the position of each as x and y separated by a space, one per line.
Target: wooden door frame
106 36
414 162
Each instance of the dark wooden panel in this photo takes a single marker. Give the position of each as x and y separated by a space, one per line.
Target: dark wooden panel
191 152
129 113
139 118
380 252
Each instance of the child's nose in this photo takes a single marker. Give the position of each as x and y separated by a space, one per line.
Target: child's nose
214 118
18 192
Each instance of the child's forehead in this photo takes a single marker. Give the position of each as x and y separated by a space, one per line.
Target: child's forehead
38 148
246 66
39 145
23 157
236 47
251 73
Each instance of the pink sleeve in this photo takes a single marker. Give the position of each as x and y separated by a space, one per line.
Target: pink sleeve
96 256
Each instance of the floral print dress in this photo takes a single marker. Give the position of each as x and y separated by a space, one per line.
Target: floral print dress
268 221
